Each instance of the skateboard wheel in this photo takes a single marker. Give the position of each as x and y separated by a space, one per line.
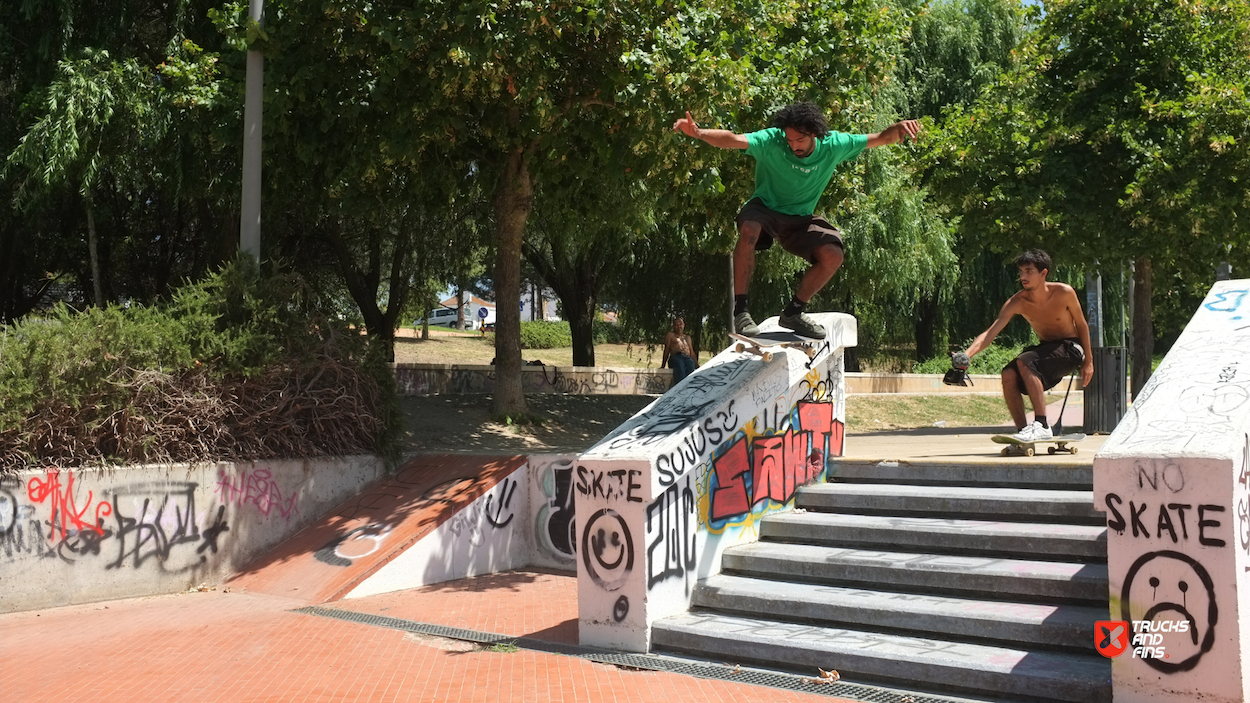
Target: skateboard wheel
1028 451
1004 452
768 356
1073 450
740 348
1051 450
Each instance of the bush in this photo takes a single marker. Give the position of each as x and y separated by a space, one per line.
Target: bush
236 367
540 334
990 361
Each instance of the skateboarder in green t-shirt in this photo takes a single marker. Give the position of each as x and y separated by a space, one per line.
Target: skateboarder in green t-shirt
794 161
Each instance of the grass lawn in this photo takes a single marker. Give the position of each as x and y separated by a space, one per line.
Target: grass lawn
870 413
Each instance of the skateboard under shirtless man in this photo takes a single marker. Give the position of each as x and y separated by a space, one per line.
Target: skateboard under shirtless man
794 161
1054 312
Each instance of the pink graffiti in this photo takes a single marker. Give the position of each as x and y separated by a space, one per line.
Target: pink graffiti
257 488
773 467
65 514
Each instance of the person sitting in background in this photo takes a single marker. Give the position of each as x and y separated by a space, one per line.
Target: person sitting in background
677 352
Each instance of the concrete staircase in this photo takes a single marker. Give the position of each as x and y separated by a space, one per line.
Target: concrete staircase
982 581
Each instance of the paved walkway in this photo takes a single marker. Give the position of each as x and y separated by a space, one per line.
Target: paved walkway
245 642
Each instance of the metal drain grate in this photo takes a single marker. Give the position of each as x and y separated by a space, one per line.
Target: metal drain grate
648 662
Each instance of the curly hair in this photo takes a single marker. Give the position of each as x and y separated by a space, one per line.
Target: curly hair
1039 259
805 117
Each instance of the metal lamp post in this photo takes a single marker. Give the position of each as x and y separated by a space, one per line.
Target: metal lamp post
249 218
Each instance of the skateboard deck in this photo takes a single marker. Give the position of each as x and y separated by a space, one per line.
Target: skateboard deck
774 340
1016 448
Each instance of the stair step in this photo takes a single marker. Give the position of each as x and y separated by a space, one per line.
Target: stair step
1005 504
945 574
910 661
1034 473
1019 624
1087 543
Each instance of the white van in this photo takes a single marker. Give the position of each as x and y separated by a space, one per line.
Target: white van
443 317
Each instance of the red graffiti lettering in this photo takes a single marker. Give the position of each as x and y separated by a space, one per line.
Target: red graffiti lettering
65 514
796 444
769 464
730 497
778 464
837 438
256 488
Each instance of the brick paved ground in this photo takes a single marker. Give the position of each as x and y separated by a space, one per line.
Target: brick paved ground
218 646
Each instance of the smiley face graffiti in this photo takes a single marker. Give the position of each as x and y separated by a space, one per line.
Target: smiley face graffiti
608 549
1168 585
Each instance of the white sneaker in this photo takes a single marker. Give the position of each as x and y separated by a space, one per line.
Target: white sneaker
1034 433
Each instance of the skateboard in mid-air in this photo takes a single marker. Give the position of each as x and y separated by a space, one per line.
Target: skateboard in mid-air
761 344
1017 448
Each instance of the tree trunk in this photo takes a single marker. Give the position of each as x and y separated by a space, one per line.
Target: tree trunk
460 310
1143 328
927 310
93 249
581 314
513 201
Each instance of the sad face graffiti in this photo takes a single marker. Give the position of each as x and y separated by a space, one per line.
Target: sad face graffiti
1171 586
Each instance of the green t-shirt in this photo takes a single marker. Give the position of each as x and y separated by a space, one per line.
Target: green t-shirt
788 184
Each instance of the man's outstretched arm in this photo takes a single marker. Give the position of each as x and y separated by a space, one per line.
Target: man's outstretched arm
895 133
986 338
722 138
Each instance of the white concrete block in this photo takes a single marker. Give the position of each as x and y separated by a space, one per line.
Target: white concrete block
690 475
1174 479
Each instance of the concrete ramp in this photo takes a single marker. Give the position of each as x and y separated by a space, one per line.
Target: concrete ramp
430 496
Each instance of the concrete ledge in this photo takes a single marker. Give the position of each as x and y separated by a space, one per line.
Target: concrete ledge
444 379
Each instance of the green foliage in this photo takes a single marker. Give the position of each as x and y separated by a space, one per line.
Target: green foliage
80 371
991 360
540 334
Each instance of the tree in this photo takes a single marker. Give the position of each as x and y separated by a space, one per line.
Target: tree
106 129
1120 133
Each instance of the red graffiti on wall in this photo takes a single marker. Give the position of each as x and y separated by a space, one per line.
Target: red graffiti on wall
774 467
65 514
257 488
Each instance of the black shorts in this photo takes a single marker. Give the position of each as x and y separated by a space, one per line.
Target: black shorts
800 235
1051 361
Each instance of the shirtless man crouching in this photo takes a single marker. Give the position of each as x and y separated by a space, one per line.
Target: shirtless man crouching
1054 312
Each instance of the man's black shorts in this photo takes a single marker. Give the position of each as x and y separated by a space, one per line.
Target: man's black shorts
1051 361
800 235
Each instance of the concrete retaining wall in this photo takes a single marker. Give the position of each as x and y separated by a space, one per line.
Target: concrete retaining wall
80 536
1174 480
443 379
449 379
662 497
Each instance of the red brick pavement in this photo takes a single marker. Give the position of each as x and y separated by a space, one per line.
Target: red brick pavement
218 646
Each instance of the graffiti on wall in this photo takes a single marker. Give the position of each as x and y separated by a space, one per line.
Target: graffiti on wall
672 534
153 524
1168 581
757 471
534 379
258 489
555 526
